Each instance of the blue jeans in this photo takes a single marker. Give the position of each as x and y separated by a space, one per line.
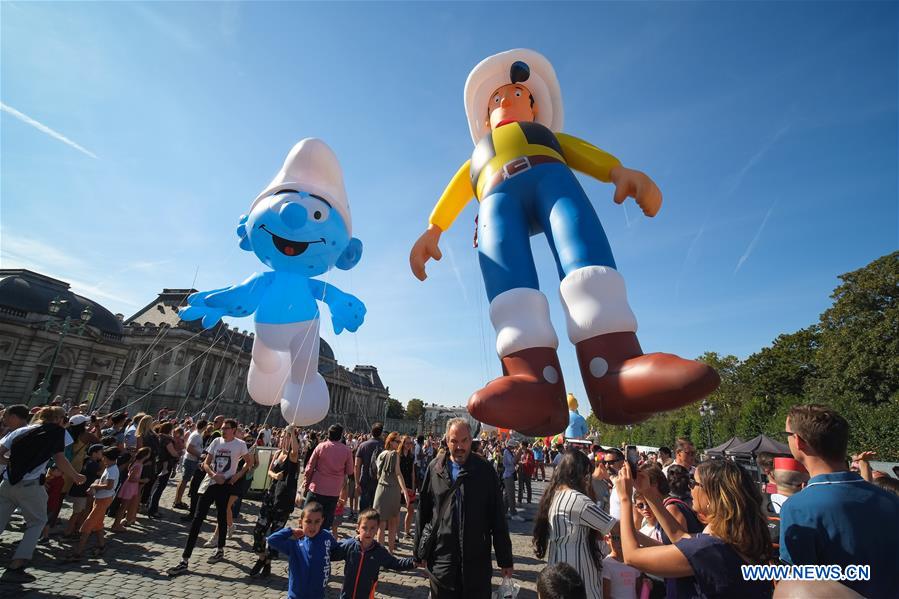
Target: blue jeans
545 199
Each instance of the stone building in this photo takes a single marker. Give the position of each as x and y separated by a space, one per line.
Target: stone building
88 365
152 360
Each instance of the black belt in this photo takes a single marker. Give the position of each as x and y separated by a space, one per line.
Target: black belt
515 167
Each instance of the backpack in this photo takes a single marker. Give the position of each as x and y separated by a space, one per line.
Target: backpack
773 522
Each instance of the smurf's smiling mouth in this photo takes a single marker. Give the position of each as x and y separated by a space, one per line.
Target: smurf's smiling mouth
289 247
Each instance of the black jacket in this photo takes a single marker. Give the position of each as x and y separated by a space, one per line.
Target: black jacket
483 519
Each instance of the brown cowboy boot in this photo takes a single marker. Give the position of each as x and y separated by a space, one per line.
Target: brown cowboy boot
528 398
626 386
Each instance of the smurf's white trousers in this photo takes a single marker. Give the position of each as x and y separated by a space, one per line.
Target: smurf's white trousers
284 370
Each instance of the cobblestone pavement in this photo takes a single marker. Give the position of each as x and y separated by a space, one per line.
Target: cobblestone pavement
133 565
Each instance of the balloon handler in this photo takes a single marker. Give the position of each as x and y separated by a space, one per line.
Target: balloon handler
300 227
521 174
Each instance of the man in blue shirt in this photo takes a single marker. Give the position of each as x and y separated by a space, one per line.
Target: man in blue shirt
839 518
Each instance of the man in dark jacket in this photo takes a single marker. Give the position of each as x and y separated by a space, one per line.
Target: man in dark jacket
458 557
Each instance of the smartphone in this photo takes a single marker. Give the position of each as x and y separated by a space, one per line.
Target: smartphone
633 457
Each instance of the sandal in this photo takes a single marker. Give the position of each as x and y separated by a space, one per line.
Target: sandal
73 558
98 551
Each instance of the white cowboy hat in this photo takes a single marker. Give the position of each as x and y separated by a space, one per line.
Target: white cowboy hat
494 72
312 166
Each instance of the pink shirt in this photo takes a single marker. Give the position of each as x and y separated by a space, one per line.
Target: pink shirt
329 463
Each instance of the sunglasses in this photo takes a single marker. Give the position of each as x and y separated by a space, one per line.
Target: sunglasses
611 461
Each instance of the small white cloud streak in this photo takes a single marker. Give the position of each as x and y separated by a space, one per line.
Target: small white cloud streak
689 256
456 271
756 158
45 129
755 239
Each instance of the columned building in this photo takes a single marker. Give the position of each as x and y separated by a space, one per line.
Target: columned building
151 360
87 365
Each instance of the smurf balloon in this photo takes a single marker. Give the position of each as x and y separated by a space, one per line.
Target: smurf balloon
300 227
577 424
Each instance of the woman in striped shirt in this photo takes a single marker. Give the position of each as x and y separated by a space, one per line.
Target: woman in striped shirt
567 521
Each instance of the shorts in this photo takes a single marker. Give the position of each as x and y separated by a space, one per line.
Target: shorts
190 466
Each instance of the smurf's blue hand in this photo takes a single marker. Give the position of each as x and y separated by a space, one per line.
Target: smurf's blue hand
237 300
197 309
347 311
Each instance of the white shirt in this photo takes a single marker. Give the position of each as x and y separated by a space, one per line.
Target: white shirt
622 579
267 436
7 442
110 474
195 440
225 455
615 502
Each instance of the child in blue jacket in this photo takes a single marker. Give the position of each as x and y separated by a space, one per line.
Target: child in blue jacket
309 550
365 557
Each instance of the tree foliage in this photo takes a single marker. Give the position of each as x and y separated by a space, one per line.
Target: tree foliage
849 359
395 409
414 409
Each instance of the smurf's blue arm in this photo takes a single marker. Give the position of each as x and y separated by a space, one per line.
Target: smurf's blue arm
237 300
322 291
243 299
347 311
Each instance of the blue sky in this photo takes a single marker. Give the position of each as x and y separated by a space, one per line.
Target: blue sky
135 135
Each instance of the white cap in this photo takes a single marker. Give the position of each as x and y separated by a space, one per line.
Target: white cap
312 166
494 72
78 419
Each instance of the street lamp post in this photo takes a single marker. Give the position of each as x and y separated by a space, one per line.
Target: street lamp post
707 413
42 394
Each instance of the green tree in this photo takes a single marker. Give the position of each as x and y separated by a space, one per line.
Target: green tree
784 368
414 409
395 409
858 357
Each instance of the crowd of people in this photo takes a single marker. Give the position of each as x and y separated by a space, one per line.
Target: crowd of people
608 524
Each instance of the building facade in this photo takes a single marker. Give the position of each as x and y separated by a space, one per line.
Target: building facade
151 360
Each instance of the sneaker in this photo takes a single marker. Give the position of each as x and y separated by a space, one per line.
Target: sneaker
181 568
155 516
230 531
212 542
17 576
181 506
216 557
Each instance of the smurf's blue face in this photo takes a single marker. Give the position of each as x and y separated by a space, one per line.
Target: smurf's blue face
296 231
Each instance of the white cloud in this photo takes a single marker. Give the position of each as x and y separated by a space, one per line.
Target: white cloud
45 129
49 260
755 239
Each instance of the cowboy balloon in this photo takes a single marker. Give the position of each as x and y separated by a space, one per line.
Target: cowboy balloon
300 227
522 174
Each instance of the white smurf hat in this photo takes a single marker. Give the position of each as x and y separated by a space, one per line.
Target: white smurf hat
496 71
312 166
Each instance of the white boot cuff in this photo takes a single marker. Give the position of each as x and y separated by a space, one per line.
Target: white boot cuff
595 302
521 319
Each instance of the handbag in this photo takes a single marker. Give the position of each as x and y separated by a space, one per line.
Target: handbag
428 537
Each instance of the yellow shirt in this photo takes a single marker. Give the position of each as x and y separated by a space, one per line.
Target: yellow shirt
505 144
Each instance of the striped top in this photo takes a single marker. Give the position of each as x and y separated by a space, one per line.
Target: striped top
572 518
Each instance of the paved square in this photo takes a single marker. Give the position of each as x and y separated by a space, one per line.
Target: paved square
134 562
